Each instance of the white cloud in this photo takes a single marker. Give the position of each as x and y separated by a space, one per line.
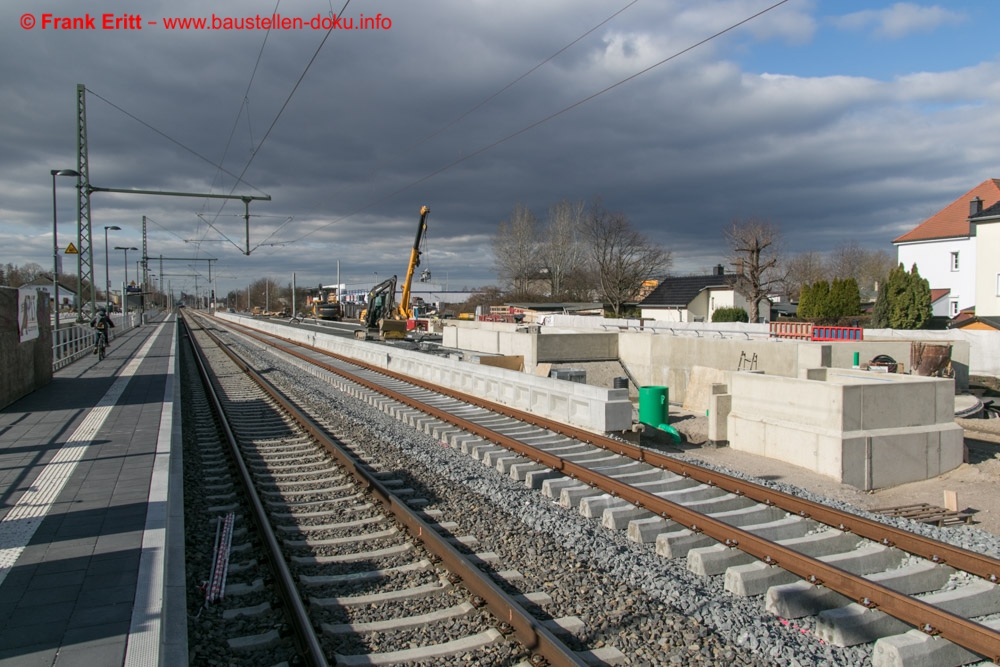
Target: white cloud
900 20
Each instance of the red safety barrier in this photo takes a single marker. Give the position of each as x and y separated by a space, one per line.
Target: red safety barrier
837 333
798 330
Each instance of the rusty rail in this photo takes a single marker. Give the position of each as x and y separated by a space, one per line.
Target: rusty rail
536 637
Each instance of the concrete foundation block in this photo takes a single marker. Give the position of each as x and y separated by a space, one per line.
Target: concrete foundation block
593 507
716 559
800 599
646 474
869 558
918 649
855 624
479 452
724 503
619 518
756 578
519 471
552 488
749 516
625 468
535 479
921 577
677 543
645 529
571 496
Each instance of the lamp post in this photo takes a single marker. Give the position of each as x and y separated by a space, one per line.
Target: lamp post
55 240
125 284
107 276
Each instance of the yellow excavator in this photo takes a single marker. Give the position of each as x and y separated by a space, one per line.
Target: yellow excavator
382 318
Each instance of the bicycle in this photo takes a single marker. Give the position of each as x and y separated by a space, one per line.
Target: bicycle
101 346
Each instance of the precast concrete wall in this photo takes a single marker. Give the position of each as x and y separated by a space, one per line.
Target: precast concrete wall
25 366
983 353
870 431
565 347
842 354
667 360
593 408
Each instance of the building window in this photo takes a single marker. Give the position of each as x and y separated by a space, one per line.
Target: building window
954 261
953 307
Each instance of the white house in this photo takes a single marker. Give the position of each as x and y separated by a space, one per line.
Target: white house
944 249
691 298
985 227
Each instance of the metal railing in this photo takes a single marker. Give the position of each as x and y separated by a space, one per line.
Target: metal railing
75 341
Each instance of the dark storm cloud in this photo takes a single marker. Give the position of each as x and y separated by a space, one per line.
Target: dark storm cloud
682 150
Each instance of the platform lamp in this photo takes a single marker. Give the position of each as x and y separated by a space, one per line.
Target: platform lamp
107 275
125 284
55 239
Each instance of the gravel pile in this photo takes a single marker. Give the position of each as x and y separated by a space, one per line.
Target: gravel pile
650 608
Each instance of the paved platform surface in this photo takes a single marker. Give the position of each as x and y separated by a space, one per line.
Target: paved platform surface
84 475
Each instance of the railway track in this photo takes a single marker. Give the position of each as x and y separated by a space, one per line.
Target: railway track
357 574
855 580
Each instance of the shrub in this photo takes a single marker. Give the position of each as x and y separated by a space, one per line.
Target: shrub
730 315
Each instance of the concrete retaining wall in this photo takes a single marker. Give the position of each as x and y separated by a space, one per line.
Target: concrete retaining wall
853 426
593 408
983 357
25 366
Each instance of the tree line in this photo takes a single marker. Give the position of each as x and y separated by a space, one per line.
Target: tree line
579 252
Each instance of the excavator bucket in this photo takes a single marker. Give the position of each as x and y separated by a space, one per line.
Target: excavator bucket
392 329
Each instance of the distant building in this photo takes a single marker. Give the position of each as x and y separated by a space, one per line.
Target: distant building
692 298
944 248
67 295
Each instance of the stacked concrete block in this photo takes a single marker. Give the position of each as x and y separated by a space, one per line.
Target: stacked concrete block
864 429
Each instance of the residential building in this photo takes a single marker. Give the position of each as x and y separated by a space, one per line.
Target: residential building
67 295
692 298
985 228
944 249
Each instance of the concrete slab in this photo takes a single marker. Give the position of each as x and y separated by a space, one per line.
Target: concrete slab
918 649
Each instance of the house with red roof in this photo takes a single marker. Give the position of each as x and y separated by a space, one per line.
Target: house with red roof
985 229
944 248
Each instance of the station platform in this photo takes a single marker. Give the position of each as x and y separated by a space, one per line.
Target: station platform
91 518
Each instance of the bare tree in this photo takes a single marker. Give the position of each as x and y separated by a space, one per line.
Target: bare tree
515 250
622 257
875 269
560 251
805 268
867 267
754 253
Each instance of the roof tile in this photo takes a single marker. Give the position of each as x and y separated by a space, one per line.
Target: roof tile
953 219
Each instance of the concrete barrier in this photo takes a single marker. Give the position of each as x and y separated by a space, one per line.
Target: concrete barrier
870 431
26 365
593 408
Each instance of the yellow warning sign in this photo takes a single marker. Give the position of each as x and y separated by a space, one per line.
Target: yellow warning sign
71 250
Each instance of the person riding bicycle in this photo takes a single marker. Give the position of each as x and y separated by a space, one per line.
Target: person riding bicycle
102 323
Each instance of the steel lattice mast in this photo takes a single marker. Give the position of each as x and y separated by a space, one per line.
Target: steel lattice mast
84 258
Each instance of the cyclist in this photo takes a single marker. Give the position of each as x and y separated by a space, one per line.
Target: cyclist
101 323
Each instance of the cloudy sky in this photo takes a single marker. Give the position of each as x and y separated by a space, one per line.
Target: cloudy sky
840 120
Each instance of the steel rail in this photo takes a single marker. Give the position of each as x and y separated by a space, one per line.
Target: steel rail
306 638
964 632
535 636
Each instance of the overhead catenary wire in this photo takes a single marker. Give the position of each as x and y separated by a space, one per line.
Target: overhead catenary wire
281 111
537 123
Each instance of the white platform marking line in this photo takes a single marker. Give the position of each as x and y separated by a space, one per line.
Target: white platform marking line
143 646
20 524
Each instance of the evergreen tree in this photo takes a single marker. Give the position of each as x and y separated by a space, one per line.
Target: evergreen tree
804 309
904 300
820 295
845 298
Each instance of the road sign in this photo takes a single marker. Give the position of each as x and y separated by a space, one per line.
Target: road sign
71 250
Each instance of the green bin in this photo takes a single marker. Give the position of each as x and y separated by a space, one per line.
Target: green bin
654 405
